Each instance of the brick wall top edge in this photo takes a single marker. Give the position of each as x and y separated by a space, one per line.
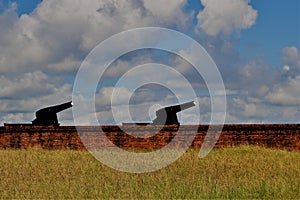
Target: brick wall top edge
202 127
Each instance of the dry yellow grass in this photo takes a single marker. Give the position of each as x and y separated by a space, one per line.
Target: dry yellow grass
241 172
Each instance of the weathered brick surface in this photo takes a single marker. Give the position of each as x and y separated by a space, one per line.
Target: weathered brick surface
284 136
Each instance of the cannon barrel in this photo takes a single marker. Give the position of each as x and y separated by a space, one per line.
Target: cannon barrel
179 107
47 116
54 109
168 115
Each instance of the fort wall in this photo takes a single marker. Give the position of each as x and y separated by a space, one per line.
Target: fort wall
283 136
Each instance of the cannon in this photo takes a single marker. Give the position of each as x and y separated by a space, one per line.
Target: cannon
48 116
168 115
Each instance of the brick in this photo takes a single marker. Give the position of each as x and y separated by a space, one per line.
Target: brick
283 136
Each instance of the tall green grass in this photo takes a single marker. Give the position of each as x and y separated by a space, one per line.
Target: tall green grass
241 172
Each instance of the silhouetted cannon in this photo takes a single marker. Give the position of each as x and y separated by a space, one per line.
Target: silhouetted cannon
168 115
47 116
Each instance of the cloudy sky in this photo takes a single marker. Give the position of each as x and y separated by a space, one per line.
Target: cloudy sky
254 43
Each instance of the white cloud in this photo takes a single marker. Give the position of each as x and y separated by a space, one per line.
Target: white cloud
244 109
119 67
291 60
286 68
226 16
28 85
9 118
286 94
68 64
290 54
168 11
253 79
117 95
287 91
59 31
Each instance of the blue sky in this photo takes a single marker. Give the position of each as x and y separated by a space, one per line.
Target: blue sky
277 26
23 6
255 44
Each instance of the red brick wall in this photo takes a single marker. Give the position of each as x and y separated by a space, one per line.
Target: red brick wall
284 136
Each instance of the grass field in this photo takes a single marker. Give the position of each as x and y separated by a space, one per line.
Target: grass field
241 172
